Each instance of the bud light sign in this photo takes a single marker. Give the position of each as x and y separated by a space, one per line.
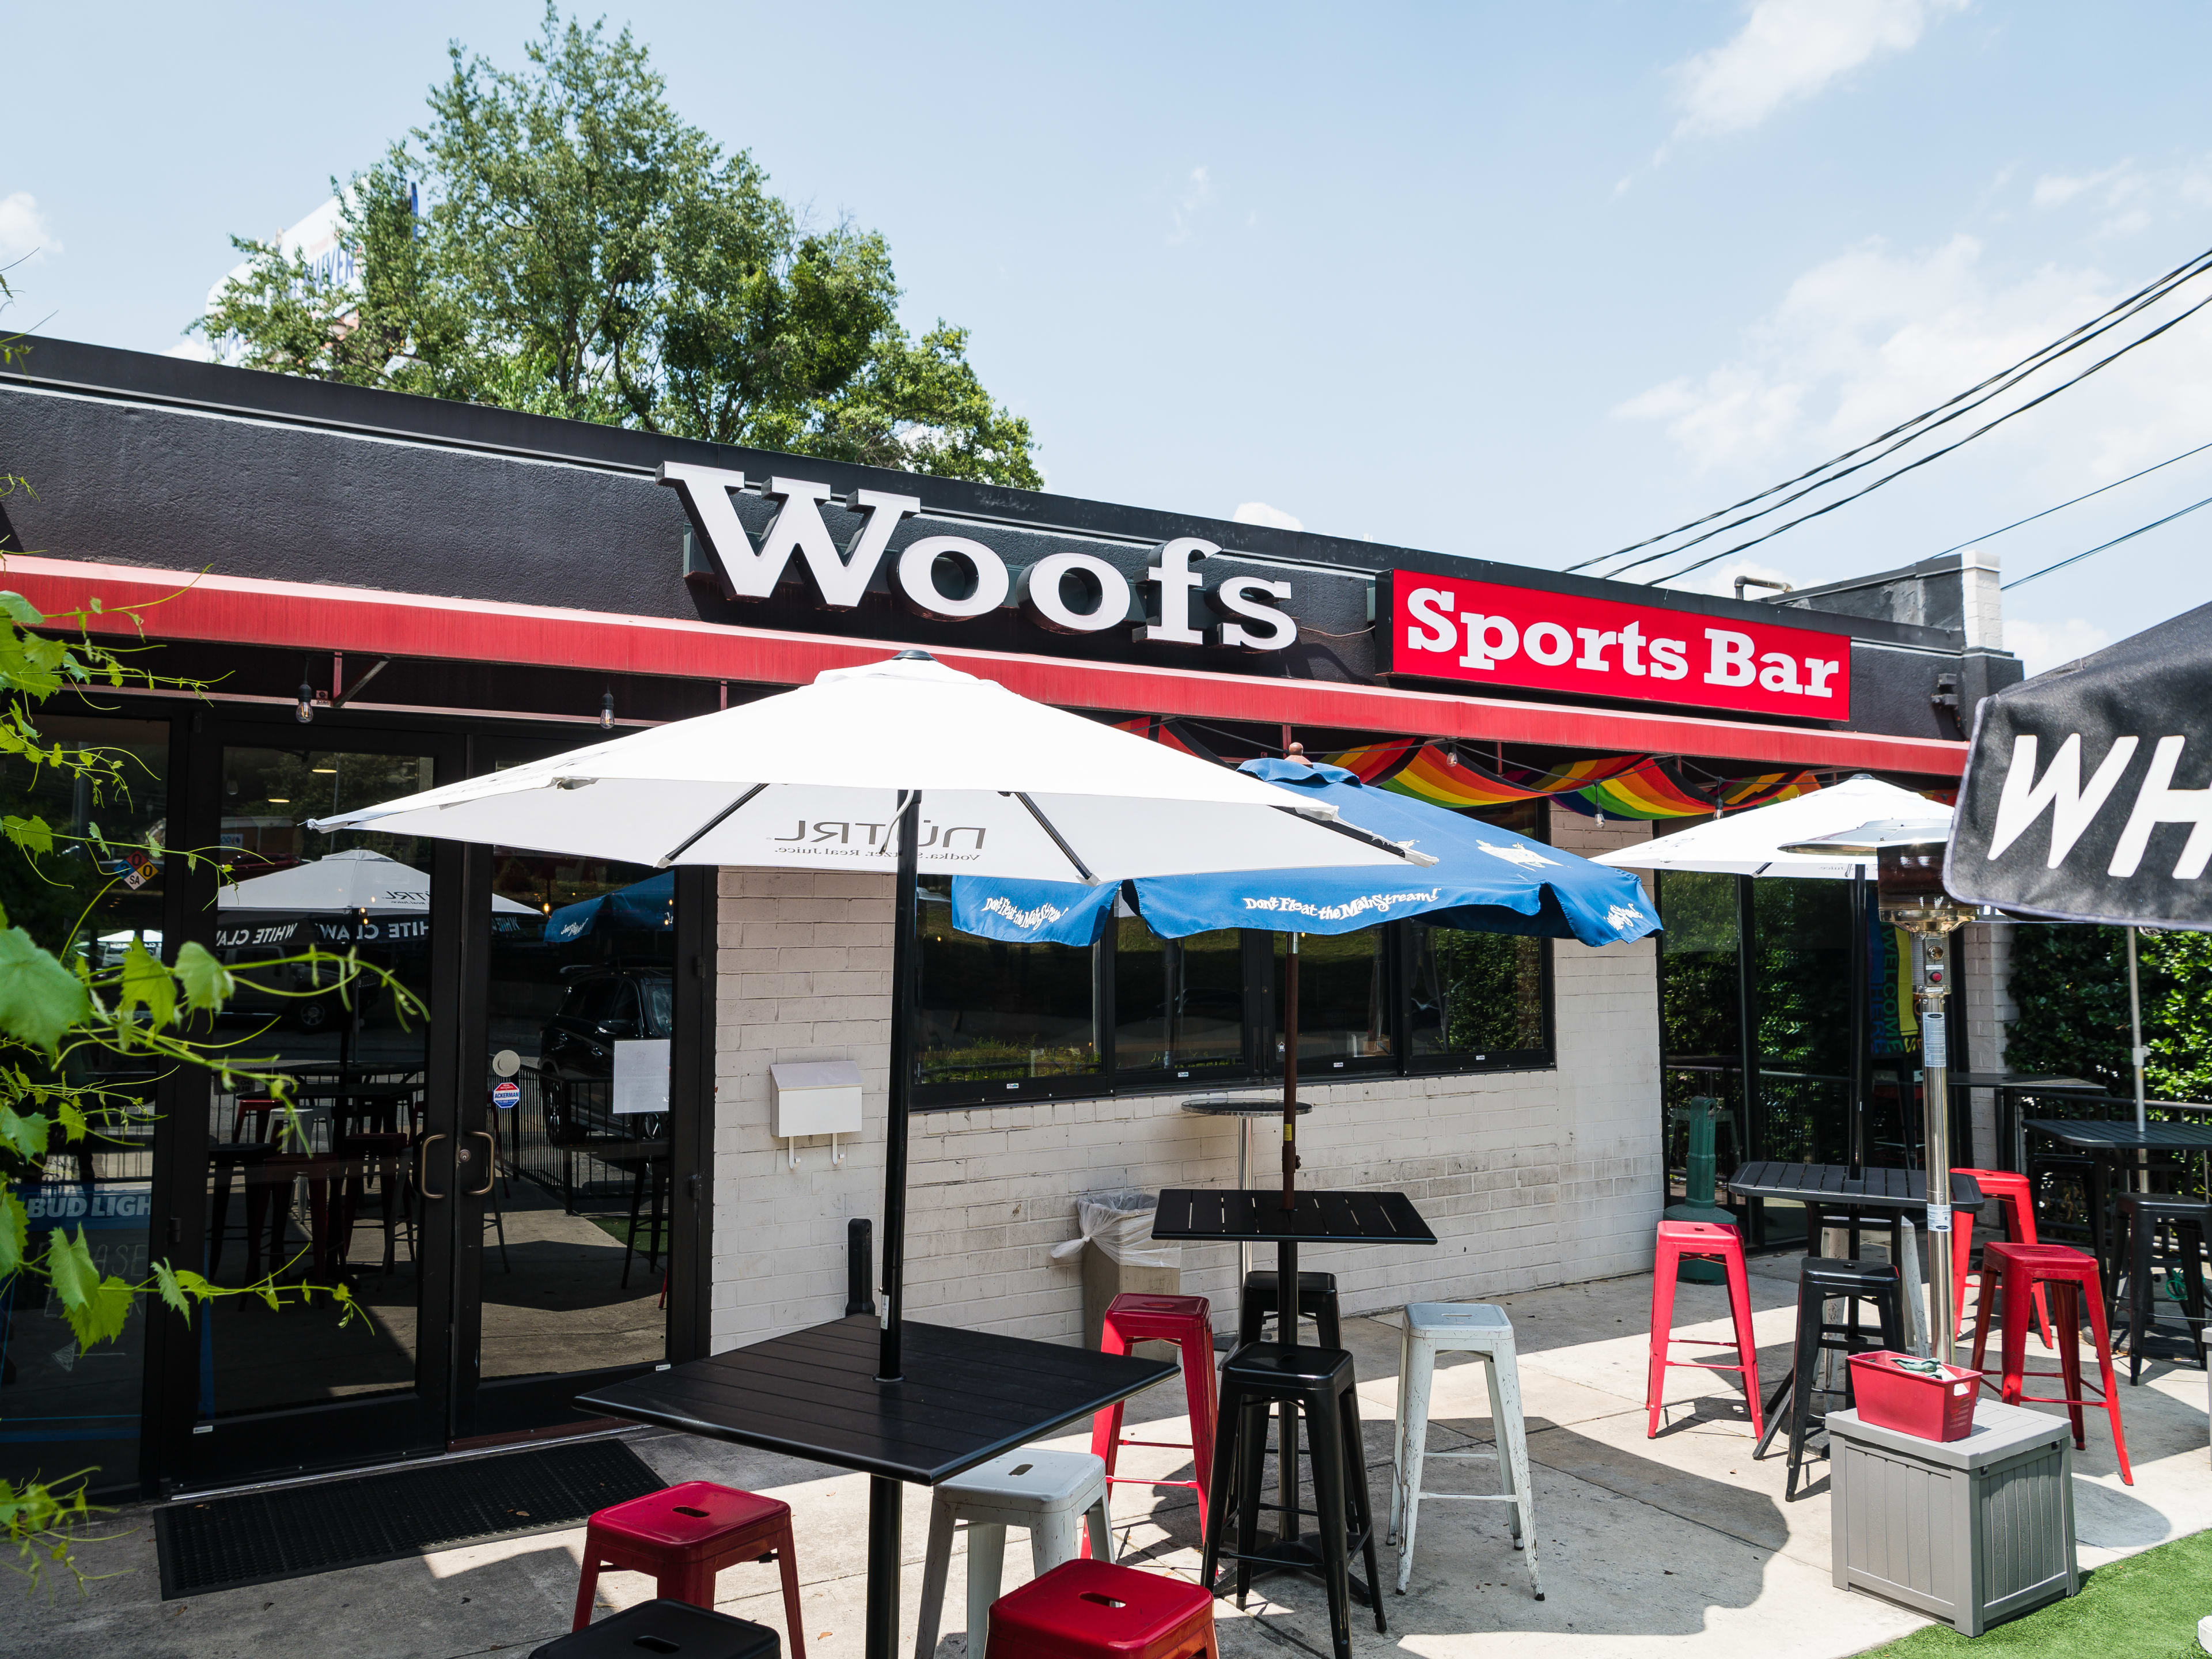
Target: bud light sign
1488 634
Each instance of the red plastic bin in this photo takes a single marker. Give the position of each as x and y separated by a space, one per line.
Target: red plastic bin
1914 1396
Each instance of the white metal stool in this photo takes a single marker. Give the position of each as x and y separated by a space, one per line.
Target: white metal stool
1049 1493
1474 1327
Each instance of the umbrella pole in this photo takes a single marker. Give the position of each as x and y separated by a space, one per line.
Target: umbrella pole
1861 943
880 1632
901 1091
1290 1075
2135 1051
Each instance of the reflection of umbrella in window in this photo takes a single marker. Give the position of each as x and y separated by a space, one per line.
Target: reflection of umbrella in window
644 905
356 879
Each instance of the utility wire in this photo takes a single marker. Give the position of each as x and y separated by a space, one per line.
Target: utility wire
1913 466
2020 582
2151 291
1991 535
1884 453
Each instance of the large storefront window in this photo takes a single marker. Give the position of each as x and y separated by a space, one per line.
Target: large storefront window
63 1409
1138 1012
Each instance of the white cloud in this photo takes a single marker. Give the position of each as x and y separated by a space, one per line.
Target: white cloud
2041 646
1789 50
1874 336
1198 190
24 234
1260 513
2057 189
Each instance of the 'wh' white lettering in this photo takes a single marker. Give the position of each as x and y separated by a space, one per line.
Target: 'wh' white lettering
2159 802
2072 808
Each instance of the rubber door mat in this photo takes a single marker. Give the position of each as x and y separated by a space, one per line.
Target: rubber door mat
257 1538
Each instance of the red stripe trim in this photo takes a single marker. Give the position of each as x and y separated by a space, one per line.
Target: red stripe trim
311 616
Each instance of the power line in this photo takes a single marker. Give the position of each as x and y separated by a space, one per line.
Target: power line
2073 338
2076 558
1991 535
1913 466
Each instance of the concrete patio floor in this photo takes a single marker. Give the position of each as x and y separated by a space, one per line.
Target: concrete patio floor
1648 1546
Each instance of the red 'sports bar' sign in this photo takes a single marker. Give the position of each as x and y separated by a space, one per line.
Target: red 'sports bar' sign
1488 634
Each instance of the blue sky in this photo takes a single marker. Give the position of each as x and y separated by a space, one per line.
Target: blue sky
1520 282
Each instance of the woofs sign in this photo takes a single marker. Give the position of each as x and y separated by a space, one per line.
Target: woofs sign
955 578
1490 634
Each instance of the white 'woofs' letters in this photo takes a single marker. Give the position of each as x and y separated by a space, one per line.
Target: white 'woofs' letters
1042 594
748 572
917 577
1238 602
1176 580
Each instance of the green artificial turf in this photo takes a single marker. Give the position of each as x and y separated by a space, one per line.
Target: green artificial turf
2145 1607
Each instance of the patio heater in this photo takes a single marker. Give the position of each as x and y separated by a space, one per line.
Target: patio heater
1908 896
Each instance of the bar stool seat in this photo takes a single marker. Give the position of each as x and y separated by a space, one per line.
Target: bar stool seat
1819 1281
1095 1610
666 1627
2071 1277
682 1535
2140 1217
1317 1385
1481 1329
1051 1493
1262 1298
1134 1316
1690 1239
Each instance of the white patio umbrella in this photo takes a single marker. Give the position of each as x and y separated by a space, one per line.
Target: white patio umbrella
356 880
982 782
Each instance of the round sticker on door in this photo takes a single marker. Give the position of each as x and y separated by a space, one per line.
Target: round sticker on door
506 1096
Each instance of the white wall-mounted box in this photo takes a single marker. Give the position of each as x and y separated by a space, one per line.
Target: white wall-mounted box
815 1097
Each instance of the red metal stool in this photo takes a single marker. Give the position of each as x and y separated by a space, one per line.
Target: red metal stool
2071 1275
1678 1239
682 1536
1096 1610
2017 1199
1187 1322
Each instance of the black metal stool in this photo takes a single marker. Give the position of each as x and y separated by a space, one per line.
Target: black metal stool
1824 1279
2139 1218
1317 1385
225 1158
1317 1301
666 1628
2055 1177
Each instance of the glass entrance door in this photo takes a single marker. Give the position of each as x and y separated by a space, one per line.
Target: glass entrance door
572 1103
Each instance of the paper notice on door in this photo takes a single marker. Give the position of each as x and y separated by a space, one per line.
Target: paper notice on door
641 1075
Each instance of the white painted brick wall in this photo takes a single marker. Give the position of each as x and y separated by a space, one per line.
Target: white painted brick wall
1529 1178
1987 960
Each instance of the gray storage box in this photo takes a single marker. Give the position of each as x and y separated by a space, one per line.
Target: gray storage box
1967 1531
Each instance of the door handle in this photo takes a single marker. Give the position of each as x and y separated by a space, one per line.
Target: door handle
491 1155
422 1166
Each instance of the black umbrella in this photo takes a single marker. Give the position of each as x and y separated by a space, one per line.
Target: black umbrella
2086 797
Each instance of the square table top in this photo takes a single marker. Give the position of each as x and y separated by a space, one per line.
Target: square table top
2027 1083
1832 1186
1229 1215
967 1396
2099 1134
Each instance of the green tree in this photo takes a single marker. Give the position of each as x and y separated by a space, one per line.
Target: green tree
2071 984
560 240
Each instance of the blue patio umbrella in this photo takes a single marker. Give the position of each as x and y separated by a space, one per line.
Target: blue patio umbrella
647 904
1485 879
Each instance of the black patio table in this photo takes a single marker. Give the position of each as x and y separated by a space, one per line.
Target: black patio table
964 1397
1830 1189
2106 1141
2009 1087
1213 1215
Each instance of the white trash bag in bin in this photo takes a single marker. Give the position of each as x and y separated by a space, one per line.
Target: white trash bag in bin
1120 1224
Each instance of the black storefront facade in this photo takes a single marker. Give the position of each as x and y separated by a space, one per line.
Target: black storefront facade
543 1182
